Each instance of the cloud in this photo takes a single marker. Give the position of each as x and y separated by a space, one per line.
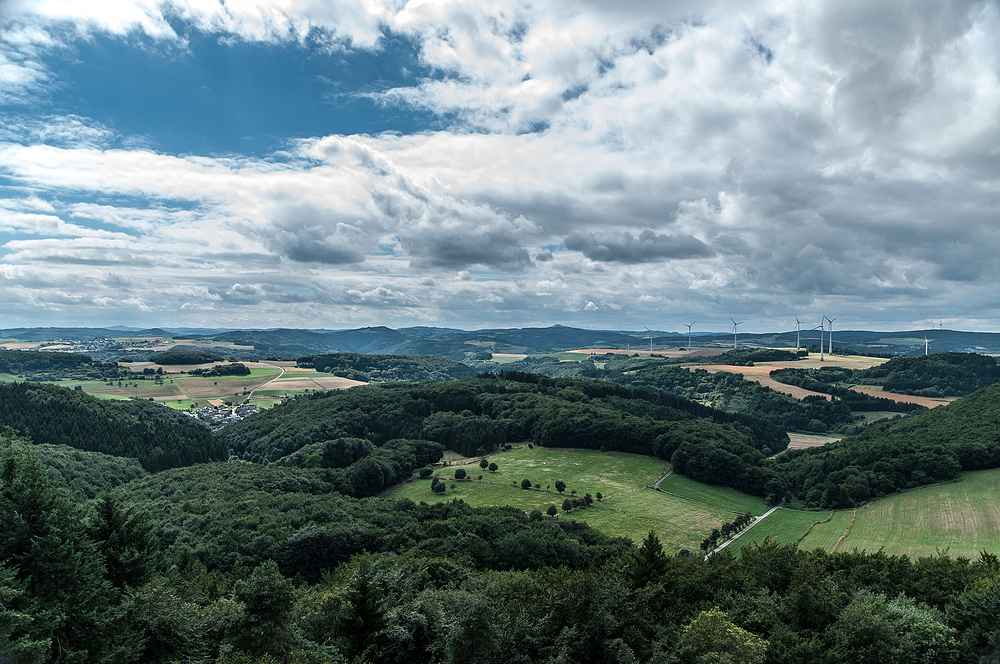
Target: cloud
647 248
784 155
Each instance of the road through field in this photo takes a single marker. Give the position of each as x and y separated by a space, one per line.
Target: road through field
273 366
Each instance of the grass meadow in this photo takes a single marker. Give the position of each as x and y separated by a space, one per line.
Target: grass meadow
629 509
960 517
785 526
717 496
679 523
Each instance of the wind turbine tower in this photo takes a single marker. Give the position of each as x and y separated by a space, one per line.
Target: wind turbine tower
927 345
830 320
822 329
734 330
650 340
689 332
798 333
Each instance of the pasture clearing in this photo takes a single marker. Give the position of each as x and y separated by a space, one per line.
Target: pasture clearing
826 535
583 471
628 509
785 526
679 523
716 496
799 441
962 517
507 358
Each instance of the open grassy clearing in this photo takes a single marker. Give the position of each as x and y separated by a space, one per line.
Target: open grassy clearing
479 494
962 517
826 535
679 523
785 526
508 358
717 496
628 510
583 471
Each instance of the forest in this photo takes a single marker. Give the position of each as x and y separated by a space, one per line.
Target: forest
478 416
129 534
242 563
388 368
936 375
185 355
54 415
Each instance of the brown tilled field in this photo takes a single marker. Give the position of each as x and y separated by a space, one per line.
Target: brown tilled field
701 352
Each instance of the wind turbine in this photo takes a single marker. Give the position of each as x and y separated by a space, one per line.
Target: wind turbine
927 344
798 333
689 332
650 340
734 330
821 329
830 320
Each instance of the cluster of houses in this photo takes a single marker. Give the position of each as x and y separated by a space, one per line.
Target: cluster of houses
218 413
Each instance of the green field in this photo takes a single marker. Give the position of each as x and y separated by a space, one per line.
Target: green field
961 517
785 526
628 509
826 535
679 523
717 496
583 471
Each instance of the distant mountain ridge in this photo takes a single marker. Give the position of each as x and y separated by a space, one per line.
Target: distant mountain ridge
457 344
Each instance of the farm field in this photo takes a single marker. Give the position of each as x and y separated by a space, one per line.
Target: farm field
826 535
717 496
628 509
961 517
785 526
183 391
679 523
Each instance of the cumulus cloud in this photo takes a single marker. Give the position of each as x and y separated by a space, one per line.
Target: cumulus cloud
779 155
647 248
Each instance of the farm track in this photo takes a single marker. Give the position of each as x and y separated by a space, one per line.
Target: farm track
273 366
749 526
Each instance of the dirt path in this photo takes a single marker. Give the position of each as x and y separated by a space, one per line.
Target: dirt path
741 533
273 366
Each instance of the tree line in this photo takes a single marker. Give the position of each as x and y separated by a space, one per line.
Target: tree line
54 415
240 563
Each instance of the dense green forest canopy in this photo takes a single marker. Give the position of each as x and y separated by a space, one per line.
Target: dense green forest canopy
886 457
58 416
724 391
237 563
51 365
388 368
480 415
185 355
30 361
937 375
231 369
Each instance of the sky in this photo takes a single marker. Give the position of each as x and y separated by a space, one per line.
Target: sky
608 165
